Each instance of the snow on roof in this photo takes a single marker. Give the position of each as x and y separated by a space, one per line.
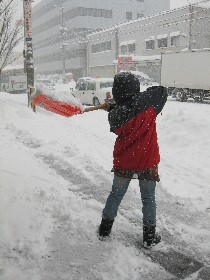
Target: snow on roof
184 34
193 50
184 50
162 36
13 67
144 58
175 33
127 42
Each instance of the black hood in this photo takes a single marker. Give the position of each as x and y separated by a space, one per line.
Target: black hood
125 86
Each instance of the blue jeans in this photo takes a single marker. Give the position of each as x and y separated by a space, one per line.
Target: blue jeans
119 188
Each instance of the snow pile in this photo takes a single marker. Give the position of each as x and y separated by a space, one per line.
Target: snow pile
184 157
59 94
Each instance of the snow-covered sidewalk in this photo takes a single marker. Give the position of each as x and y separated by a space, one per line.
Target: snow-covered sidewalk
55 177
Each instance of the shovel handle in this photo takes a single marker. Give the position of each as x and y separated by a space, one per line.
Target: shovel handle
98 107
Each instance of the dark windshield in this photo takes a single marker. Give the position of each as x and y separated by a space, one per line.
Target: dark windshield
106 84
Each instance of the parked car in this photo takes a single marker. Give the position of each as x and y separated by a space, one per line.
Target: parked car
94 91
46 82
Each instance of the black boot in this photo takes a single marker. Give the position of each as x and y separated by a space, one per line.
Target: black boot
150 237
105 228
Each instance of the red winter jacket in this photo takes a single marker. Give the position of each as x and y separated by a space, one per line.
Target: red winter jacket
133 119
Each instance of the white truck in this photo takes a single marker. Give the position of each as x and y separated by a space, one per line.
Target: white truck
187 74
94 90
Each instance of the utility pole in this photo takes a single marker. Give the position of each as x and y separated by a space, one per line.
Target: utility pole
63 32
190 26
28 48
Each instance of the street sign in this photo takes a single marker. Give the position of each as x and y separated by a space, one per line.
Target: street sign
125 63
27 17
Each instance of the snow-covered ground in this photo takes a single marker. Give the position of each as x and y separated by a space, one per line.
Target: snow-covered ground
55 177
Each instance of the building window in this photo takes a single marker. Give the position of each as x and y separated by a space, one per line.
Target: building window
131 48
124 49
91 86
101 47
150 45
140 15
128 49
163 43
129 15
175 41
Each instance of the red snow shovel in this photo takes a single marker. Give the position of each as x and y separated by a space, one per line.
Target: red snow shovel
62 108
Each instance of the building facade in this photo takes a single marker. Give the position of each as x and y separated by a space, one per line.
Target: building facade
60 28
138 45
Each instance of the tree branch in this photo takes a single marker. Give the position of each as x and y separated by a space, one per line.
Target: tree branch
5 8
10 34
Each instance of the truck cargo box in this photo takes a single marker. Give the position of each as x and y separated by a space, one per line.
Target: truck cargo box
186 70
